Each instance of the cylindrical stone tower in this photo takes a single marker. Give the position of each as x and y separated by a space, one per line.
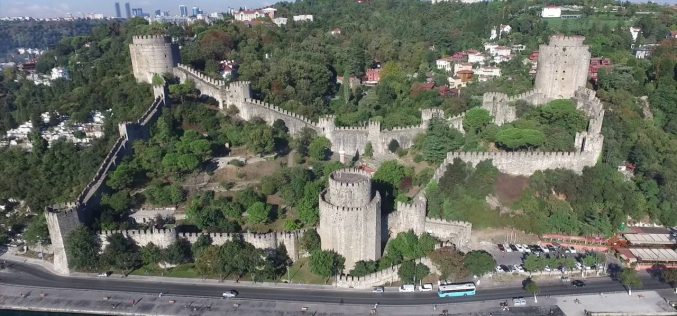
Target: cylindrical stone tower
350 217
152 54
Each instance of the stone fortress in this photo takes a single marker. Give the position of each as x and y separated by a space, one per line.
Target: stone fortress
350 210
350 217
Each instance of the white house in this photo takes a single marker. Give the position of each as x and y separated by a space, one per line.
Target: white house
486 73
634 31
58 73
280 21
476 57
462 66
551 11
303 18
444 63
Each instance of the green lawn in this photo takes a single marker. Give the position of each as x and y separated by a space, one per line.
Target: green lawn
300 273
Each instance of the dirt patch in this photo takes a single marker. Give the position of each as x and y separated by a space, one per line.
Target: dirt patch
509 188
483 238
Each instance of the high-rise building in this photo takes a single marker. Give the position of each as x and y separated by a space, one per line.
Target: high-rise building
128 10
196 11
158 12
118 14
183 10
137 12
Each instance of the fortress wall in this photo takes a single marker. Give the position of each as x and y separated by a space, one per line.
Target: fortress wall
251 108
160 237
456 122
408 216
60 225
382 277
207 85
562 66
350 140
456 232
165 237
524 163
403 135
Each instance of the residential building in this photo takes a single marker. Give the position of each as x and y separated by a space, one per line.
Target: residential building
228 68
59 73
476 57
303 18
445 63
634 31
461 67
551 11
460 57
596 64
486 73
250 15
373 76
644 51
280 21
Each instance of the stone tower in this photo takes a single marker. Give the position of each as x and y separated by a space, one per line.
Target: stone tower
152 54
61 221
350 217
562 66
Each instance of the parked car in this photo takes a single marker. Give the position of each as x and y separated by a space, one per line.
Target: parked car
501 247
427 287
499 269
545 249
547 269
407 288
229 294
378 289
519 301
518 268
526 248
519 247
510 248
579 266
578 283
103 274
572 249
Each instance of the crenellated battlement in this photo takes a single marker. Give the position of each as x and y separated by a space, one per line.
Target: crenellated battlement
196 74
563 40
447 222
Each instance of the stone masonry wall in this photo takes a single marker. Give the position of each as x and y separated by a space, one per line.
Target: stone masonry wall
562 66
165 237
63 219
152 54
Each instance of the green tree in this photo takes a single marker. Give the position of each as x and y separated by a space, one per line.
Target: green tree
209 262
449 262
368 150
326 263
363 268
516 138
260 140
670 277
320 148
179 252
534 263
310 241
479 262
203 242
121 253
411 272
151 254
37 231
82 249
258 213
532 288
475 120
630 279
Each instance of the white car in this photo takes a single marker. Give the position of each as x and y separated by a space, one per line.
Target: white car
519 247
103 275
519 301
526 248
508 248
518 268
427 287
545 249
499 269
378 289
230 294
407 288
573 250
579 266
547 269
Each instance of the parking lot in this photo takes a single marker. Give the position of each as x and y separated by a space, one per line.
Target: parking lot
511 256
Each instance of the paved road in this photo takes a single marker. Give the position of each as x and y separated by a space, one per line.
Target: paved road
29 275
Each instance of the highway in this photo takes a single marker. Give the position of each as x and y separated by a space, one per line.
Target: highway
30 275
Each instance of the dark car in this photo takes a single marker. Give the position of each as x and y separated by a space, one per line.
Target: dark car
578 283
513 247
501 247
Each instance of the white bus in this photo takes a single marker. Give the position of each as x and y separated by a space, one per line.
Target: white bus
456 289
